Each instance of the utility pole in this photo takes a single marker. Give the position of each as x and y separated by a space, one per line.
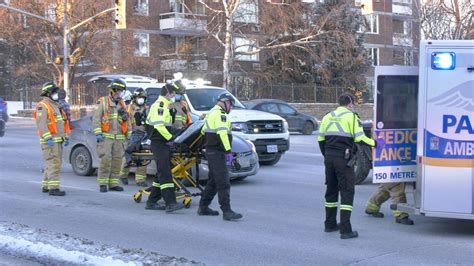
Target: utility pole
66 52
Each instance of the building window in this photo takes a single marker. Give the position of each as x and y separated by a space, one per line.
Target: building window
244 45
372 24
374 55
200 8
50 12
181 45
140 7
176 6
142 44
401 27
247 12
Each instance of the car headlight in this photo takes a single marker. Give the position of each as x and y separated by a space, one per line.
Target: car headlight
242 127
285 126
251 145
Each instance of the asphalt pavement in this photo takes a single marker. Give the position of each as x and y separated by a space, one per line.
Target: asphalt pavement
283 208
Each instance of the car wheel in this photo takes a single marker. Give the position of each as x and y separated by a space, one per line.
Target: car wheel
81 161
363 164
308 128
273 161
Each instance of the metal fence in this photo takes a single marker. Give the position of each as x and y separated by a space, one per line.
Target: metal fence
297 93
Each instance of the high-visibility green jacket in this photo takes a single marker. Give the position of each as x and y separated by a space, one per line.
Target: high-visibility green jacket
159 117
217 129
339 130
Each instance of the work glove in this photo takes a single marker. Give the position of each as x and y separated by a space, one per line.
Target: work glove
99 137
170 143
380 143
50 143
66 142
229 158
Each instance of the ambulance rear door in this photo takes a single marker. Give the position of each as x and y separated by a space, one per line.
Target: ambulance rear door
396 105
446 128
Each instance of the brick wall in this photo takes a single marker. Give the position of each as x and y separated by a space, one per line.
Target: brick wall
318 110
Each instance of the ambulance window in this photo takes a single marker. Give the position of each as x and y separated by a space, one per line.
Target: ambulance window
397 101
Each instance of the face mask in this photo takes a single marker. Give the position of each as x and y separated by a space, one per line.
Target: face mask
140 101
54 96
173 99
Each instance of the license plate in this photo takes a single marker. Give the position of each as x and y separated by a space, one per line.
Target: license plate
272 148
244 162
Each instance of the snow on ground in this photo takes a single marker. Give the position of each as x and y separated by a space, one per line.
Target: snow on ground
47 247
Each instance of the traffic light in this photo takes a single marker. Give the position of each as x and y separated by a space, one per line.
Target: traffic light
366 7
120 14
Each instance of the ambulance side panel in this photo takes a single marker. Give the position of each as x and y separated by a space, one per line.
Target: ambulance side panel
445 146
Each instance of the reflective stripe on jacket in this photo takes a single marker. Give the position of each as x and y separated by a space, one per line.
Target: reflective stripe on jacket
108 121
51 121
217 129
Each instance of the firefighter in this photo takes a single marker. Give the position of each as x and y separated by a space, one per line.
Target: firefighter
137 112
53 130
160 120
111 125
217 131
396 191
180 108
339 130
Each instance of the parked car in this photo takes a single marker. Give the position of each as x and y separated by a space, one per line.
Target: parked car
82 155
297 121
3 116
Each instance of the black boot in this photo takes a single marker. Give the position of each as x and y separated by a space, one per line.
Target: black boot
352 234
124 180
56 192
103 188
142 184
375 214
174 207
206 211
332 229
404 220
231 215
116 188
155 206
45 190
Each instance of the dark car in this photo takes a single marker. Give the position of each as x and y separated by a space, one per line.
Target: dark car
297 121
3 116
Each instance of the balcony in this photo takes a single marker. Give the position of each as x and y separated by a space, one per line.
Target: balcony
402 8
400 39
181 62
182 24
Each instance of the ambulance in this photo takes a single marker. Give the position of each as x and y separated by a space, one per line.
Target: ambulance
426 116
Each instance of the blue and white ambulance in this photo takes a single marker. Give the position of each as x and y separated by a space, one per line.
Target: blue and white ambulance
426 116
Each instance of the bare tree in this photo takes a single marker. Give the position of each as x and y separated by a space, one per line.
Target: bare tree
37 43
446 19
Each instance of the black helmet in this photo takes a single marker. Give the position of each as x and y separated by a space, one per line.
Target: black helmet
226 97
139 93
48 88
179 87
117 85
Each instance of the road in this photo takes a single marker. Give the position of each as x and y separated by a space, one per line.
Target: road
283 208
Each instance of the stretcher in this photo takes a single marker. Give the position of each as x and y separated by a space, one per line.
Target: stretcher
186 154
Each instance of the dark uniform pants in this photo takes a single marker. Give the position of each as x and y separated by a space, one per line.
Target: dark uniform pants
219 181
163 183
339 179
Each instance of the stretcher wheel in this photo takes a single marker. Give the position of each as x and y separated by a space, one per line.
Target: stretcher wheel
187 202
137 197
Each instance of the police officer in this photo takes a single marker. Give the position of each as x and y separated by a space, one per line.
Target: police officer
396 191
111 126
339 130
160 120
53 130
137 112
217 131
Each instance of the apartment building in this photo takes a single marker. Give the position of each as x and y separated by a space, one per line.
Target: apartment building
392 34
